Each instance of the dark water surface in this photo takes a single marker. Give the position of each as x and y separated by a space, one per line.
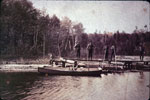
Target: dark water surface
32 86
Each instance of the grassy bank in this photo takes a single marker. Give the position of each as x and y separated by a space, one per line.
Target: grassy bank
41 60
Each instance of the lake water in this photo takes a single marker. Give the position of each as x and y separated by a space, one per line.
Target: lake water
32 86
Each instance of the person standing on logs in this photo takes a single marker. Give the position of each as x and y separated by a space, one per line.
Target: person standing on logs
90 48
113 52
141 52
106 53
51 57
78 48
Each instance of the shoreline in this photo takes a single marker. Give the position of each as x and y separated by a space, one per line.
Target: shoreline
21 67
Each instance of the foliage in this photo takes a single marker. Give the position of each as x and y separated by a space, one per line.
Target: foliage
28 32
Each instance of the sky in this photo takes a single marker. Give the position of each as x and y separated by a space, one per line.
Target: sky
102 16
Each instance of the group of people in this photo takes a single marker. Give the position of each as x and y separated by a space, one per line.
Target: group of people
90 49
106 52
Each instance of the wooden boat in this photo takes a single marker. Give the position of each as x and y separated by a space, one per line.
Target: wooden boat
69 72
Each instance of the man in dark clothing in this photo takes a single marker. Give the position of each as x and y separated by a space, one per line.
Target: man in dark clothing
106 52
113 53
141 52
78 48
90 48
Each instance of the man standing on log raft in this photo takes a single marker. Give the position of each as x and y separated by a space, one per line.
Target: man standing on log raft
141 52
78 48
90 48
106 53
113 52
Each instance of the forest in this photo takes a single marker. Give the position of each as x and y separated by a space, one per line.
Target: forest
31 33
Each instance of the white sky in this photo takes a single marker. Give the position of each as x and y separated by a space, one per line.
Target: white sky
100 15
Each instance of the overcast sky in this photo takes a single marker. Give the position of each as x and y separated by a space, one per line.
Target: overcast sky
100 15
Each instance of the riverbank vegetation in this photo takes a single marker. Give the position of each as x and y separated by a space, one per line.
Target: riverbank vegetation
27 32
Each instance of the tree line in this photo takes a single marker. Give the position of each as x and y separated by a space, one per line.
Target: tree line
28 32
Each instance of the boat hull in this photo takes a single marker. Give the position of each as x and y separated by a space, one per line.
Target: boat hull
69 73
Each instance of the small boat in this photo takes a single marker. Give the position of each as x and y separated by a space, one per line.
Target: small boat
69 72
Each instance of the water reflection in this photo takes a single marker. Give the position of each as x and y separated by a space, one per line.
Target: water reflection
31 86
14 86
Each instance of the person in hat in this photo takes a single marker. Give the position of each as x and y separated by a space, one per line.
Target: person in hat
113 53
90 48
141 52
78 48
106 51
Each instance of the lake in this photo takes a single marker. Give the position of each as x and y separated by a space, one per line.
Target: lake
33 86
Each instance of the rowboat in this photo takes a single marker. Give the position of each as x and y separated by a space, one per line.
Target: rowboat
69 72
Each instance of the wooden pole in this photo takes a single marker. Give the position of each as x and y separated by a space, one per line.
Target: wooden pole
59 52
43 44
87 60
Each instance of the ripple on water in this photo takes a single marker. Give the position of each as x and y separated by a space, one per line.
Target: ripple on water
126 86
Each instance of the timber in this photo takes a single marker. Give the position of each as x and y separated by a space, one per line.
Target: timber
80 67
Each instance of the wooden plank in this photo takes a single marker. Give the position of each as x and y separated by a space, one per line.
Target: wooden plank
131 58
